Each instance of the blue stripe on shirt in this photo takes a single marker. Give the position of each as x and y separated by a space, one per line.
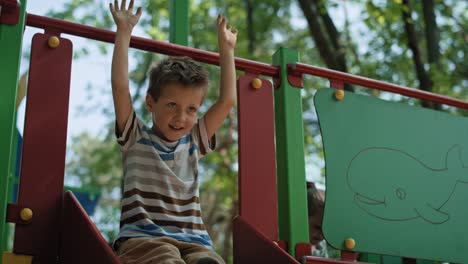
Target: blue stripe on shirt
193 148
163 148
157 231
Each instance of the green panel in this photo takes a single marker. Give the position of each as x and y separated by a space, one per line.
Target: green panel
396 177
179 22
391 260
10 54
292 201
420 261
371 258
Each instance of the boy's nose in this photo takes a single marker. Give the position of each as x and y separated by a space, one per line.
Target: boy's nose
180 116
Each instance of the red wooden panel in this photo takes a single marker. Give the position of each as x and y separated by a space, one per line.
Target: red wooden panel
251 246
43 162
257 166
81 240
9 12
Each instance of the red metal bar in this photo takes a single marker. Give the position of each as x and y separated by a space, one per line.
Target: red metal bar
147 44
299 68
241 64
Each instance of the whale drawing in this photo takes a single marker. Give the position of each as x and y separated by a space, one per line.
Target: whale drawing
393 185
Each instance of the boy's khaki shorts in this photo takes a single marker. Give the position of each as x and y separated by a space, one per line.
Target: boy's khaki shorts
165 250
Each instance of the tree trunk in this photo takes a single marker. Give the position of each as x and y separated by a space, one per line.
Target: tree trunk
250 26
432 33
309 8
325 35
425 82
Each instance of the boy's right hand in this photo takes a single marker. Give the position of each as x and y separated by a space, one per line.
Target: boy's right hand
124 18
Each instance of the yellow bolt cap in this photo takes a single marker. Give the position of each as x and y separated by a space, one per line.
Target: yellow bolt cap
350 243
53 42
339 95
26 214
256 83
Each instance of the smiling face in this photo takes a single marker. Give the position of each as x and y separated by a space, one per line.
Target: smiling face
174 113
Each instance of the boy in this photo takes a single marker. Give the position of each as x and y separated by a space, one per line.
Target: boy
315 207
161 221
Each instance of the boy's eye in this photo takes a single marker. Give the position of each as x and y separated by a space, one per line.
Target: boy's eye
192 109
171 105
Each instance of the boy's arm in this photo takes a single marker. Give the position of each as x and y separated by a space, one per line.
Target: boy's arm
215 116
125 21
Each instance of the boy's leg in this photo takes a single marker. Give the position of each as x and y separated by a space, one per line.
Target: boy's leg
146 250
194 253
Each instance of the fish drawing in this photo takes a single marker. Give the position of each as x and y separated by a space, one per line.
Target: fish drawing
391 184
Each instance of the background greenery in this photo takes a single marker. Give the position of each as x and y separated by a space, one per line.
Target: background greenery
420 44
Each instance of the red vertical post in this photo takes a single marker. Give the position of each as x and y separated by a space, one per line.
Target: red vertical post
257 166
43 162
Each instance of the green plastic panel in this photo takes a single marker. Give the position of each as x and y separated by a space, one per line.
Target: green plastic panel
11 37
396 177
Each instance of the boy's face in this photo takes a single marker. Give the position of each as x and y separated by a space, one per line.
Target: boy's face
175 112
315 228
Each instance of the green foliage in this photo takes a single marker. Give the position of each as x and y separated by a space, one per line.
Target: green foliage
94 161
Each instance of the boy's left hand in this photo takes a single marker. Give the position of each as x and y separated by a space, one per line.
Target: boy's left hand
227 37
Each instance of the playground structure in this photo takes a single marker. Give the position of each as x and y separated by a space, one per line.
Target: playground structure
270 228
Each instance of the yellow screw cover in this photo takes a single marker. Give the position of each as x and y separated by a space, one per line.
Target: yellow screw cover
256 83
26 214
350 243
53 42
339 94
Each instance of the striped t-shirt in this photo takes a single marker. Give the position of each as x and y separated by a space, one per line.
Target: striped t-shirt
161 190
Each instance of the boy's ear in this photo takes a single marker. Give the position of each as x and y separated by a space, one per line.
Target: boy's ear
149 102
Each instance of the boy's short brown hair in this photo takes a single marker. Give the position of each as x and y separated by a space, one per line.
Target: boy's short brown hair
315 200
182 70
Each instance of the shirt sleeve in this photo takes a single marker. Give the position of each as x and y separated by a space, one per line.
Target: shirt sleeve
205 144
131 132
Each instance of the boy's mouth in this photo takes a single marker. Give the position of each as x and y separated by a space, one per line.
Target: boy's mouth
177 128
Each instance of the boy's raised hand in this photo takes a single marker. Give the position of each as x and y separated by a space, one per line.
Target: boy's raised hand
227 37
124 17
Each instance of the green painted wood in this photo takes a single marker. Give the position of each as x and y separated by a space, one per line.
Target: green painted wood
391 260
10 53
396 177
371 258
420 261
178 27
12 179
292 199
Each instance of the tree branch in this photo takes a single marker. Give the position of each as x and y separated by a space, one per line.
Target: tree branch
326 53
250 26
432 32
